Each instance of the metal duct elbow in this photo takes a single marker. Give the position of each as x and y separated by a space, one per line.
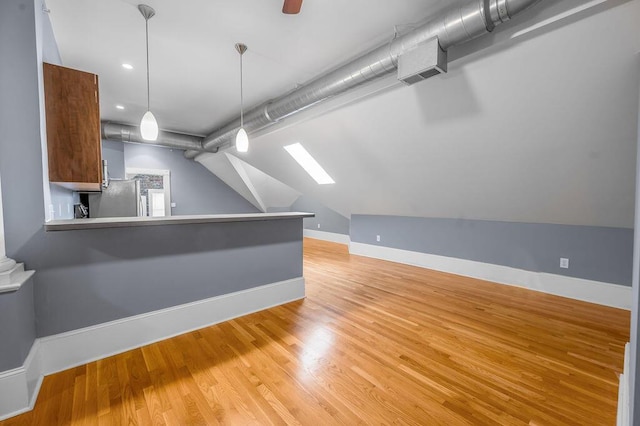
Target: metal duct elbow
191 154
126 133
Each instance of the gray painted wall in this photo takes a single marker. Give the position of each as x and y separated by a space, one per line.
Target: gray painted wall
20 155
329 220
17 326
93 276
595 253
194 189
113 153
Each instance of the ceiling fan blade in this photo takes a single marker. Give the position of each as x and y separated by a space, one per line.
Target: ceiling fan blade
291 7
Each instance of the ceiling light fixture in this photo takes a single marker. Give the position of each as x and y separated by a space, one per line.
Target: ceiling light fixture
120 106
309 164
127 66
148 124
242 139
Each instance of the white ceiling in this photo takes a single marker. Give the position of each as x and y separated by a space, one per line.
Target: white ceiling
535 123
257 187
194 65
541 129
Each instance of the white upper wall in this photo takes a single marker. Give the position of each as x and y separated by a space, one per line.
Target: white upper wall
537 129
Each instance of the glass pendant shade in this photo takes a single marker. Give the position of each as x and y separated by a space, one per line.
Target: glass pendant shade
149 127
148 124
242 140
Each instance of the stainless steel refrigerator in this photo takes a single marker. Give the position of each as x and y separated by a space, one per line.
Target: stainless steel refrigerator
120 199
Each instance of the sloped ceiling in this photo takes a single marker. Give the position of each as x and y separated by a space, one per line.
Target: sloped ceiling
260 189
272 192
536 129
223 168
539 127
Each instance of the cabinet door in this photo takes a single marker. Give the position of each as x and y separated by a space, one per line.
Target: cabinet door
73 128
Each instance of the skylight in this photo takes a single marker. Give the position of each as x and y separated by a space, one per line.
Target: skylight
309 164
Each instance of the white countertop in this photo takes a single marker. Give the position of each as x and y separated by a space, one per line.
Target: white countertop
126 222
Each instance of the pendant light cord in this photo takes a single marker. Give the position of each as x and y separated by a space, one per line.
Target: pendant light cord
148 89
241 96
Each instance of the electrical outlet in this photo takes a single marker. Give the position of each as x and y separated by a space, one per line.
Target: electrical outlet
378 238
564 263
318 226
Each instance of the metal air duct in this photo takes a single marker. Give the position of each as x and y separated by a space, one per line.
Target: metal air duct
455 26
126 133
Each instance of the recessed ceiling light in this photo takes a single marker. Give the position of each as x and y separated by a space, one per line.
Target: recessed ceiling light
127 66
120 106
309 164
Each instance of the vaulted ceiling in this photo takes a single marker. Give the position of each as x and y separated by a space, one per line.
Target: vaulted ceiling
540 126
535 123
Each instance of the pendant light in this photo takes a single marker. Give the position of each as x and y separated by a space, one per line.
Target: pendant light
242 139
148 124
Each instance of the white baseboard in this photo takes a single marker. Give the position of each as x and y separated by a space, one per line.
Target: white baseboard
19 387
14 395
613 295
327 236
78 347
623 392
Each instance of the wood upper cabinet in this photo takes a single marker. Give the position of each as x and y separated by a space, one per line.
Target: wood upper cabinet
73 128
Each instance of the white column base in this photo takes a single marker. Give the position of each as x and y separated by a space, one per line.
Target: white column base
12 279
6 264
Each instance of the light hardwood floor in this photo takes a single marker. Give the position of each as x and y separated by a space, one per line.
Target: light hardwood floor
374 342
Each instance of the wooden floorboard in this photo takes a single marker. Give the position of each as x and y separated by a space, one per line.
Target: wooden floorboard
374 342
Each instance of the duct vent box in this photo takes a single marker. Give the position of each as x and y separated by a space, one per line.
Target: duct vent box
424 61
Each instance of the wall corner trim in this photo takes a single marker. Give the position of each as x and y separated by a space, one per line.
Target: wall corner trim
327 236
19 387
613 295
